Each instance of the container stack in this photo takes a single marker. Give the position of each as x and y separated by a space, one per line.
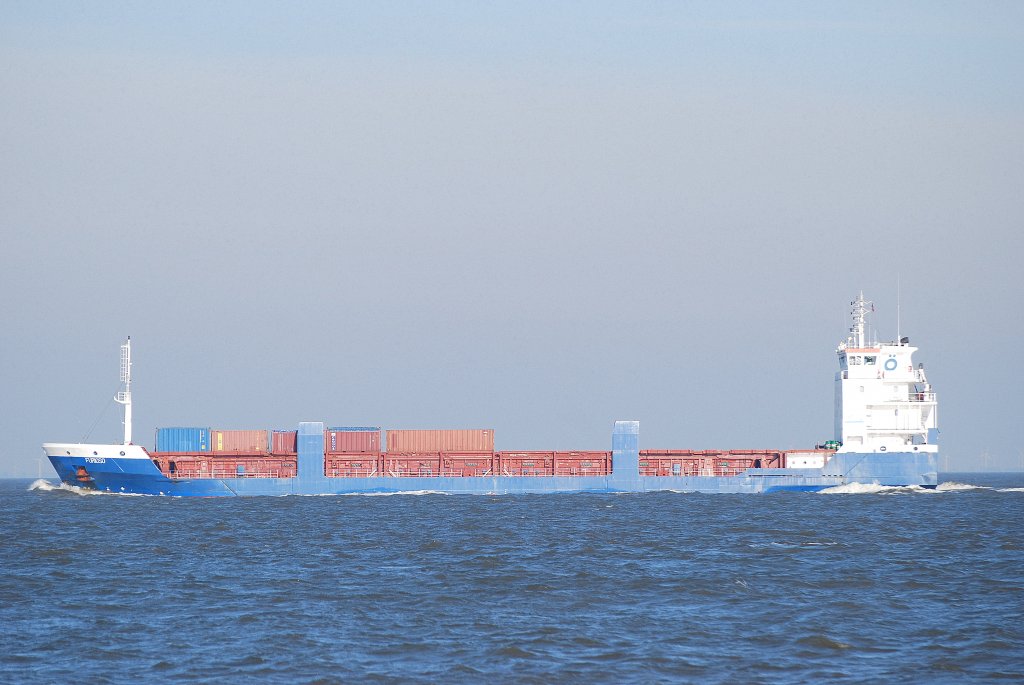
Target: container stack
352 452
356 452
458 452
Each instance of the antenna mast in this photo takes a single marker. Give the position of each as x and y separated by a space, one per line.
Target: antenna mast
898 309
860 310
125 397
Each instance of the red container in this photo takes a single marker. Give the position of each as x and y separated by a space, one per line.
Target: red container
463 464
411 465
705 462
282 442
672 463
440 441
246 441
525 463
221 466
344 441
352 465
583 463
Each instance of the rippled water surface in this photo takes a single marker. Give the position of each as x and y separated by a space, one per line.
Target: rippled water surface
863 585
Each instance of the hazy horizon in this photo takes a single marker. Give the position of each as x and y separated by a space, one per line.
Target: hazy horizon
537 218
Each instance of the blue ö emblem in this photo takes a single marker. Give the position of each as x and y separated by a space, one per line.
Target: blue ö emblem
890 364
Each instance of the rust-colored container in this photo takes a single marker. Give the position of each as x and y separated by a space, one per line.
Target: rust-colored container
525 463
345 440
282 442
352 465
462 464
224 466
671 462
247 441
583 463
411 465
440 440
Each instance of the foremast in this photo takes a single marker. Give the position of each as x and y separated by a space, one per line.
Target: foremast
883 403
125 396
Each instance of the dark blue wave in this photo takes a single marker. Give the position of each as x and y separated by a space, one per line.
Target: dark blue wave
897 586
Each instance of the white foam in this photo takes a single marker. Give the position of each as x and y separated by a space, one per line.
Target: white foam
856 489
876 489
44 485
952 485
792 545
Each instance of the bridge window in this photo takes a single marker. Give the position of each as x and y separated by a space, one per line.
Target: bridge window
869 360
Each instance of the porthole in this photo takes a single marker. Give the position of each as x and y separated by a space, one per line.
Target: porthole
122 454
95 453
882 448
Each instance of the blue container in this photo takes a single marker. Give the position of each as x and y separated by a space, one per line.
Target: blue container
182 439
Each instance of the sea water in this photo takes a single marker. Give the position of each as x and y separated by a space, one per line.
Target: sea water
858 584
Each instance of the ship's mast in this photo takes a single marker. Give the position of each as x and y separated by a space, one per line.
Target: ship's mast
860 310
125 397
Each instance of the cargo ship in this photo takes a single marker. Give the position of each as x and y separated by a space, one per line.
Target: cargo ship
885 434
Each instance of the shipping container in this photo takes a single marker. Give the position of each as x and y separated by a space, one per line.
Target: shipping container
525 463
182 439
705 462
583 463
463 464
246 441
214 466
283 442
440 440
352 465
360 439
411 465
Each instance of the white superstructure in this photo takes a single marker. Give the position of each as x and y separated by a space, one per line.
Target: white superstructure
883 403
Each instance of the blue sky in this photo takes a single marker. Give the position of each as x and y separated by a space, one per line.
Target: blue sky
537 218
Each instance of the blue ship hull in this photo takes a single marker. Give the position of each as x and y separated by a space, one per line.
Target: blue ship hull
141 476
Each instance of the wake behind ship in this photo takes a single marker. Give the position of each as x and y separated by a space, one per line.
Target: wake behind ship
885 434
